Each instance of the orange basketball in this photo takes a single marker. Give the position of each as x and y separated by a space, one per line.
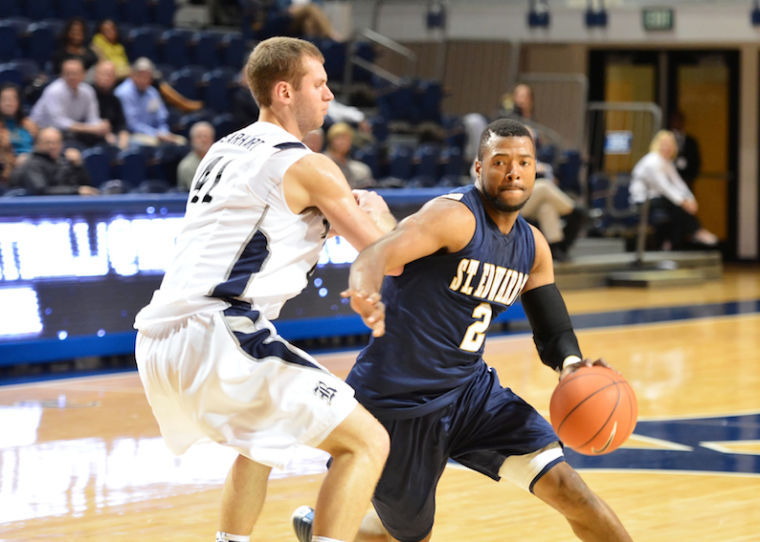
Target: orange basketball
593 410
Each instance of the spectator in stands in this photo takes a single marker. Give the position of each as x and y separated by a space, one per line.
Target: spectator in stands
519 103
308 21
201 138
104 80
315 140
7 157
73 44
146 114
70 104
106 43
51 171
655 178
689 159
340 138
21 129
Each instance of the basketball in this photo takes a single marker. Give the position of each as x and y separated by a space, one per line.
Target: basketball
593 410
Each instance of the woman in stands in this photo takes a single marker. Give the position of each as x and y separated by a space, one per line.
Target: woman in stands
73 43
655 178
21 129
108 46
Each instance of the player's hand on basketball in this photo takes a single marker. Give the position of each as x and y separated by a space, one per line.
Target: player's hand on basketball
370 308
586 362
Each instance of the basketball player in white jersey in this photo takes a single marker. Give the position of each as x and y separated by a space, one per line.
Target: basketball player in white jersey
212 364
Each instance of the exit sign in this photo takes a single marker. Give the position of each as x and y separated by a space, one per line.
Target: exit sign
657 18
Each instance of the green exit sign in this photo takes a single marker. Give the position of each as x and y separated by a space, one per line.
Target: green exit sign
657 18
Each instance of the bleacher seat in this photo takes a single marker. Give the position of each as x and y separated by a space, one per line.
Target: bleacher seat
205 49
71 8
224 124
40 42
10 47
453 168
370 156
100 10
131 166
9 8
98 164
214 91
400 161
427 100
184 82
163 12
232 50
28 69
335 57
142 41
365 51
38 9
134 12
175 47
9 73
425 160
568 172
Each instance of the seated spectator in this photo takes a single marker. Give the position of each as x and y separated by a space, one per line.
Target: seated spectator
104 79
340 138
146 114
21 129
106 43
655 178
50 171
7 157
73 44
519 103
315 140
70 104
201 138
308 21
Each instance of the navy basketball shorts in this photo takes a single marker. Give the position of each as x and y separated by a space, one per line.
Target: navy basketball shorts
480 429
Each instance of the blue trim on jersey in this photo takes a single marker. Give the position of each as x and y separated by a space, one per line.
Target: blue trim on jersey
544 471
251 259
290 145
262 343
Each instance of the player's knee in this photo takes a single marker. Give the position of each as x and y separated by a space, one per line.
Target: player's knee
564 489
377 443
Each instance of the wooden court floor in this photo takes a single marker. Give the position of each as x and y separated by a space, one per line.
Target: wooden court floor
81 459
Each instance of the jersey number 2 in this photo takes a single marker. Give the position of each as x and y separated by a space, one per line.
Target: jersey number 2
476 332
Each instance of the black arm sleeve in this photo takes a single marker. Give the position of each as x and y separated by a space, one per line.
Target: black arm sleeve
552 330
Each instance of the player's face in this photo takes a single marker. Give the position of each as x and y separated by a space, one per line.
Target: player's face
312 97
507 172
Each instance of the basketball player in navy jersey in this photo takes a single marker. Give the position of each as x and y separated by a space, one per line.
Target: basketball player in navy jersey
467 256
212 364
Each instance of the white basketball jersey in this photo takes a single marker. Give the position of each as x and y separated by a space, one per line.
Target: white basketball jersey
239 240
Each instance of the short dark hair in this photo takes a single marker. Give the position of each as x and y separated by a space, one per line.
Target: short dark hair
505 127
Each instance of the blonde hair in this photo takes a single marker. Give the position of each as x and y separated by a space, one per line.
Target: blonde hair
339 129
274 60
654 146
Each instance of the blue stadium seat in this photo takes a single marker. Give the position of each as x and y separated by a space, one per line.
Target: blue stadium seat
37 9
100 10
142 41
215 91
205 49
9 73
224 124
233 50
40 42
175 47
71 8
9 8
27 67
184 81
335 57
453 166
425 160
568 172
131 166
370 156
98 164
427 100
134 12
400 162
9 43
163 12
365 51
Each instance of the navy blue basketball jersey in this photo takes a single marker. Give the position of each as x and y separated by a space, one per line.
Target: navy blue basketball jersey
437 314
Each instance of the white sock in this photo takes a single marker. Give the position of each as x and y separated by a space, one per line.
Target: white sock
323 539
227 537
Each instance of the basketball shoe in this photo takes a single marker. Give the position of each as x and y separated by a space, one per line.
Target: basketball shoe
303 518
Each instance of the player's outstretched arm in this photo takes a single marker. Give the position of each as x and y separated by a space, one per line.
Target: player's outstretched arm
441 224
316 181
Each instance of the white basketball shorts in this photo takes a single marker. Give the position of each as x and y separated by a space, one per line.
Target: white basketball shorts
229 377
